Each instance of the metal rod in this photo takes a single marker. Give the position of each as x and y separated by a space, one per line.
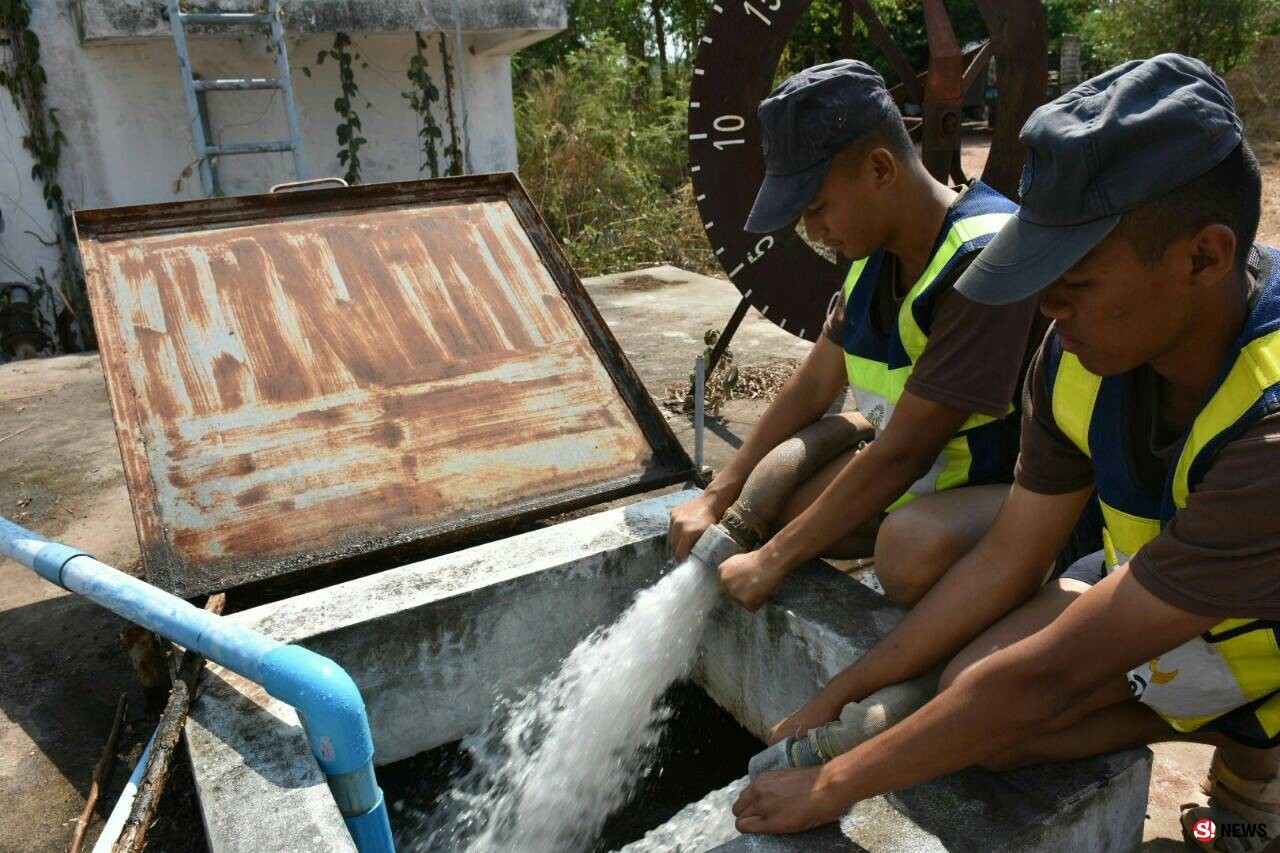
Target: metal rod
193 107
722 342
224 18
237 85
250 148
699 409
328 701
300 170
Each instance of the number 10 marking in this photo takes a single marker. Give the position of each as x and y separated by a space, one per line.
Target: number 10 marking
728 124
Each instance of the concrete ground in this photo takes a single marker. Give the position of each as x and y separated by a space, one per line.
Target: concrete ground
61 665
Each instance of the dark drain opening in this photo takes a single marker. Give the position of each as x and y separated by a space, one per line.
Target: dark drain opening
702 748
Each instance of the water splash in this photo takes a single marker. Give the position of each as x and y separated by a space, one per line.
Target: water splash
548 773
697 827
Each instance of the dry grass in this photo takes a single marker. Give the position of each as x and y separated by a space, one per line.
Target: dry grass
1255 86
755 382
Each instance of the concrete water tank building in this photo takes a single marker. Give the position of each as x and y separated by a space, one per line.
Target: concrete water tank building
114 88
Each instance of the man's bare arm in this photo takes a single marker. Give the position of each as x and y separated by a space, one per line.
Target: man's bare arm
1025 689
1002 571
873 479
804 398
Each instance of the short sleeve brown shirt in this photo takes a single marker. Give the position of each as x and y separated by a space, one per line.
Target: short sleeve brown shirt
977 354
1220 555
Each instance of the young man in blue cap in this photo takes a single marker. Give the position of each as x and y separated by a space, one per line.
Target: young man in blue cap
934 374
1160 387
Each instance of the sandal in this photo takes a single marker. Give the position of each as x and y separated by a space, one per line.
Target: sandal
1243 815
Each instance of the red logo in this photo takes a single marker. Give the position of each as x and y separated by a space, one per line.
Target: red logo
1205 830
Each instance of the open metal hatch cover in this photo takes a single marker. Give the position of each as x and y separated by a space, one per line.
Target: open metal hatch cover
304 378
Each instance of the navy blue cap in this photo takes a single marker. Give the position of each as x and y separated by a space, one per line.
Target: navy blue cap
1114 142
805 123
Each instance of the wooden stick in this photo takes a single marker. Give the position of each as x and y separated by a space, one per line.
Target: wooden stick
100 775
19 432
133 837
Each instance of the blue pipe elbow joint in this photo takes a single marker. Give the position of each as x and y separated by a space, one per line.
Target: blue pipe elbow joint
329 702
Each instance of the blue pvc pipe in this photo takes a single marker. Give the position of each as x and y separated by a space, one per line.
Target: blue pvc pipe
327 699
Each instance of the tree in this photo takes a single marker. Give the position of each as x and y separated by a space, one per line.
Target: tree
1221 32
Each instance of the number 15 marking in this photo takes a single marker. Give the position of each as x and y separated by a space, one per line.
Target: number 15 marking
771 7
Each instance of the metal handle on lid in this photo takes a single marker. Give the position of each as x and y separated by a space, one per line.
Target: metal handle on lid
312 182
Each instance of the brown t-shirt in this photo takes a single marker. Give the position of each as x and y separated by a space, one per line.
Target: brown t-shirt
977 354
1220 556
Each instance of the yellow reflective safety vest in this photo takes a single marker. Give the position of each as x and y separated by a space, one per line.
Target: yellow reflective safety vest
879 364
1230 675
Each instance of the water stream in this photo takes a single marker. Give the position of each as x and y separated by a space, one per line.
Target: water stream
546 774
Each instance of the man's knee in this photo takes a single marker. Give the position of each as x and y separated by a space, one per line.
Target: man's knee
911 550
957 667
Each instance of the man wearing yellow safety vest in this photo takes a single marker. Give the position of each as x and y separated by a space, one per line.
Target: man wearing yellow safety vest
1160 386
933 373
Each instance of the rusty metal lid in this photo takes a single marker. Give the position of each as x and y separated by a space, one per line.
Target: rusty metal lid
298 379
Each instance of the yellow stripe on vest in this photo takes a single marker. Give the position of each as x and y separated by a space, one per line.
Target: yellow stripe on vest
965 230
1075 391
878 388
1257 369
1125 533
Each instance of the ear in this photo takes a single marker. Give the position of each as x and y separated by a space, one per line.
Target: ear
884 167
1211 252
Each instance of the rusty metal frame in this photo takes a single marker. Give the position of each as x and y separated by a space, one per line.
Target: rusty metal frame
165 566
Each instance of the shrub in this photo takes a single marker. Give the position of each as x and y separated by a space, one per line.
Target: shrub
602 153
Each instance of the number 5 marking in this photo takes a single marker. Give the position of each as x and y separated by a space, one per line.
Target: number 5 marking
758 252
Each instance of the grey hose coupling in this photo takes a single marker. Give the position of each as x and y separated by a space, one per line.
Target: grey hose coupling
715 546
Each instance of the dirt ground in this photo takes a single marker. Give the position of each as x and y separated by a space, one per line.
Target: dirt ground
62 668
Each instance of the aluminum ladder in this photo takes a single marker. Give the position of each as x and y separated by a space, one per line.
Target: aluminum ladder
200 132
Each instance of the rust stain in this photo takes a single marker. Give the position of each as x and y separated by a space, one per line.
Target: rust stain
253 496
304 381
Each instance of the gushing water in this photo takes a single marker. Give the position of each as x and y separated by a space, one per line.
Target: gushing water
549 771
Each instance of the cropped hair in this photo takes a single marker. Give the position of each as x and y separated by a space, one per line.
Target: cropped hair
1229 194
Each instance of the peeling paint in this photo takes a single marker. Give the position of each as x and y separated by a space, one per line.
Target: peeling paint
388 372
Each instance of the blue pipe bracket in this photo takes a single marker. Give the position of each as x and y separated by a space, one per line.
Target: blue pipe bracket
326 697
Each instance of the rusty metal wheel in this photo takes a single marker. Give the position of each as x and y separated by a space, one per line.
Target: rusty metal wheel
779 274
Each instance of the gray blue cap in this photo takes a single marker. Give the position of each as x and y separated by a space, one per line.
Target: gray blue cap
805 123
1123 138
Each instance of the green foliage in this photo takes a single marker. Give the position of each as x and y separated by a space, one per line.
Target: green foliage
348 130
602 154
421 96
24 76
454 149
719 386
1221 32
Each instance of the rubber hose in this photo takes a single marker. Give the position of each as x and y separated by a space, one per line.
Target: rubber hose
861 721
754 516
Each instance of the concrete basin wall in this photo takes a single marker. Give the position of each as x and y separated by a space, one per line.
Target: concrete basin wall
763 666
432 644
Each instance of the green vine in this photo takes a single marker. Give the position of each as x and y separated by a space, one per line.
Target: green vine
24 77
421 96
454 150
349 127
